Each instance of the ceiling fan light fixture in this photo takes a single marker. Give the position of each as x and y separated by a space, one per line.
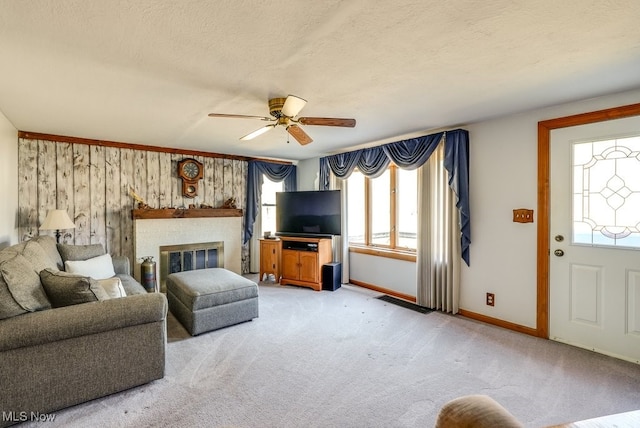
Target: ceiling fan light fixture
257 132
293 105
284 113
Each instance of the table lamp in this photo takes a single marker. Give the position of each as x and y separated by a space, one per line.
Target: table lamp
57 220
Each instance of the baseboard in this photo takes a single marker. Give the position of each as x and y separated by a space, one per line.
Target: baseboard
500 323
468 314
383 290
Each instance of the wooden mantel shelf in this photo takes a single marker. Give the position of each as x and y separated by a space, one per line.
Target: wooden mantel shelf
144 214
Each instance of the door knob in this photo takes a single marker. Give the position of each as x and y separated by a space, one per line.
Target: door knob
559 238
559 253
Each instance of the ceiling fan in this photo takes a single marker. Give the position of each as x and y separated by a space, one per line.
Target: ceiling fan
284 111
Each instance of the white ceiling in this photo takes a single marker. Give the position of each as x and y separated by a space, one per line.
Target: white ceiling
149 71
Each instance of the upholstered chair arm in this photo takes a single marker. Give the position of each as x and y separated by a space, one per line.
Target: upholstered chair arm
121 265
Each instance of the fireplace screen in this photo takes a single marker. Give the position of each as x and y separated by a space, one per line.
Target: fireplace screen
179 258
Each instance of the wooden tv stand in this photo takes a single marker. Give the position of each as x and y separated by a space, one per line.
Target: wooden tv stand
302 261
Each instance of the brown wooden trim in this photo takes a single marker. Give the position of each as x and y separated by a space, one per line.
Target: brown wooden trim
542 249
593 117
388 253
103 143
498 322
383 290
468 314
142 214
544 140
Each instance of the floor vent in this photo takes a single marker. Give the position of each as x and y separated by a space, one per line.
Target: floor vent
405 304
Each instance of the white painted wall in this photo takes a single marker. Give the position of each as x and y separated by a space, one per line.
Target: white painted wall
503 176
9 182
391 274
308 171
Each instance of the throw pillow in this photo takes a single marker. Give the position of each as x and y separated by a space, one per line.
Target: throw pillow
113 287
37 256
49 245
24 284
80 252
9 253
66 289
100 267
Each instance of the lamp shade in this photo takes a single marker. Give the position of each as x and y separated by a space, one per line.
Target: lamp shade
57 220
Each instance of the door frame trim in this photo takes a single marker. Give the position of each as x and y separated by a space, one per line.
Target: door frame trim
543 249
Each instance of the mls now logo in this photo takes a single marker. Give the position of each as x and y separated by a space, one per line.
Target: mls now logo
27 416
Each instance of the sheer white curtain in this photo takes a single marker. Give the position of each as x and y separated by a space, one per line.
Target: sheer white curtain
438 249
341 243
254 244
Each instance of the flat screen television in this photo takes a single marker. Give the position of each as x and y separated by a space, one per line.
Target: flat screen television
308 213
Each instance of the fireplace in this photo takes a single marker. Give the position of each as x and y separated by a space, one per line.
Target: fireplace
179 258
151 234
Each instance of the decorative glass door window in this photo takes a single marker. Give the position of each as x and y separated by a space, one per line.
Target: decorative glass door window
606 192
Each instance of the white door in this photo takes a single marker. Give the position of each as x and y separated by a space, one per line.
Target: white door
594 288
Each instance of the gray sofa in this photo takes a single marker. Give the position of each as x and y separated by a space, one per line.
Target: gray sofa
54 356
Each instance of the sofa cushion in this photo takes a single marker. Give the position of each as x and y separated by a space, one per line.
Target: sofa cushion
49 245
80 252
66 289
37 256
113 287
100 267
8 305
24 284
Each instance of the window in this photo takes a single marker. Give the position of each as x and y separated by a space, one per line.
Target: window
268 204
407 208
606 194
356 208
382 211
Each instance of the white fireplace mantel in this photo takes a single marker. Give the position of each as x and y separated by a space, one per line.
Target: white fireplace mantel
151 234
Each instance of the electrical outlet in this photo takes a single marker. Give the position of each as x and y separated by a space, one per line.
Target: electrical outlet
491 299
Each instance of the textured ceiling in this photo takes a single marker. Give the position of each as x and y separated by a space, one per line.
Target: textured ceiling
149 71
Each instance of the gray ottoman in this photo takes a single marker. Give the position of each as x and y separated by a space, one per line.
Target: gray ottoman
209 299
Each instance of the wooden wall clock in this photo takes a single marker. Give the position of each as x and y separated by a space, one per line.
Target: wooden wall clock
190 170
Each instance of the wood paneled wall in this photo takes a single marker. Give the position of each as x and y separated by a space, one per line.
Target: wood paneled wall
92 182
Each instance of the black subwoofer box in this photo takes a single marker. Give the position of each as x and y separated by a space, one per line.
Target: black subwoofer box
331 276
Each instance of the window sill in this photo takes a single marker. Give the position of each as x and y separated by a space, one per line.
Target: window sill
409 256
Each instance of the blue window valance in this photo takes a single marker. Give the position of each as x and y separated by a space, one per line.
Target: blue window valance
412 154
255 171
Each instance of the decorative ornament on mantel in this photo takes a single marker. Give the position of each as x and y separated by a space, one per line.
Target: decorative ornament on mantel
230 203
141 203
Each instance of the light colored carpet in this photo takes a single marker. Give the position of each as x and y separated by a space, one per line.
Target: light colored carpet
347 359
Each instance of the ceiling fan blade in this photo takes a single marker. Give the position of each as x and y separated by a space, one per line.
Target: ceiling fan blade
327 121
293 105
299 134
239 116
257 132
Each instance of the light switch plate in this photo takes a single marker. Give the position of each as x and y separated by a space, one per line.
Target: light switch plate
522 215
